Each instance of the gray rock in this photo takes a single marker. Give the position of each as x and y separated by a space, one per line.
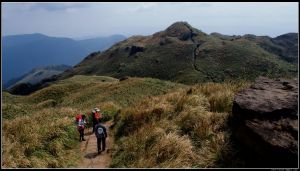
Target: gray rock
265 121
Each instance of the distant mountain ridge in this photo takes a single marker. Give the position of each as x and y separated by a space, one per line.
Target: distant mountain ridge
21 53
185 54
285 46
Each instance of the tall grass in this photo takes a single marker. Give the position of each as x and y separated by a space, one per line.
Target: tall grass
158 131
220 95
157 123
151 146
43 139
39 129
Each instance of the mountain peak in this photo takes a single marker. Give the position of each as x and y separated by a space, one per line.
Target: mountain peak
179 25
182 30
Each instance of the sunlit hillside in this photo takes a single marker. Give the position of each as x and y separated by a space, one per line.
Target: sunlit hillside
149 115
39 130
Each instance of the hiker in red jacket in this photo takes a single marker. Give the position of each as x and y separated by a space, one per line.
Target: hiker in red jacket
81 121
96 115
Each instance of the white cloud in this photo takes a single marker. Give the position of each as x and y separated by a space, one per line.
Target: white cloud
30 6
140 6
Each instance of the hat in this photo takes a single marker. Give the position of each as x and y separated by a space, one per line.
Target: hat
96 110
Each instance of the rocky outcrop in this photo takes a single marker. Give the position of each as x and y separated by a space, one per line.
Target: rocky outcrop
135 49
265 121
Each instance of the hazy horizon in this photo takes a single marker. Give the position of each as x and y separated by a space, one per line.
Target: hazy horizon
102 19
75 38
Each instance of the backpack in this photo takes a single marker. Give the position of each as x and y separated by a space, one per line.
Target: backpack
77 118
100 132
80 125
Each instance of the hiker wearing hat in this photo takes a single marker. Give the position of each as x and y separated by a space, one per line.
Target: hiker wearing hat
96 115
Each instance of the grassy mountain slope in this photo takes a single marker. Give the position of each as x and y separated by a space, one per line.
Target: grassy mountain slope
157 123
39 130
184 54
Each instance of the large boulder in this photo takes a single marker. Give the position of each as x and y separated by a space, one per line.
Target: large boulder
265 122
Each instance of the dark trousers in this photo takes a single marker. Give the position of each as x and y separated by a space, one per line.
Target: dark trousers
94 123
81 134
99 142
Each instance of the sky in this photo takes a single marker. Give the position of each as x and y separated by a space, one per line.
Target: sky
83 20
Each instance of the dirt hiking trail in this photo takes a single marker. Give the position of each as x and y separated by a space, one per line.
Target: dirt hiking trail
88 149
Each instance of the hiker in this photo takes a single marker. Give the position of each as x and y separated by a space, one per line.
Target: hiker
96 115
100 132
81 121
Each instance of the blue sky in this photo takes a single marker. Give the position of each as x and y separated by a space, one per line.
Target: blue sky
78 20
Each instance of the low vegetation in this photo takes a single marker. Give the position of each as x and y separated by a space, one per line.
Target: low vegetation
46 138
157 123
184 128
39 130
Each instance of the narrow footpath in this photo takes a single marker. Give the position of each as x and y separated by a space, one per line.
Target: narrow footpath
90 158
